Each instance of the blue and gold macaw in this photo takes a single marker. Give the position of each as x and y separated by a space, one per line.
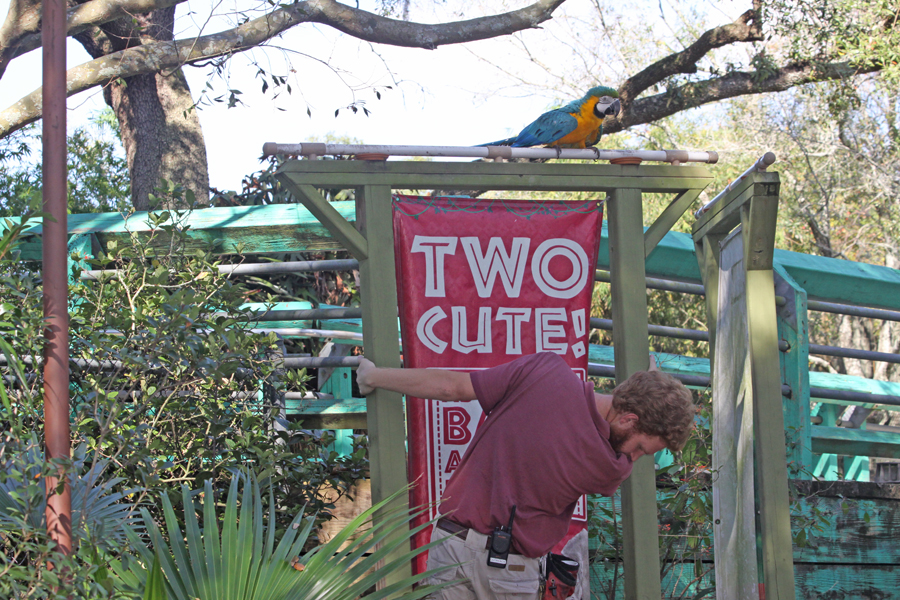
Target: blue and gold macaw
578 124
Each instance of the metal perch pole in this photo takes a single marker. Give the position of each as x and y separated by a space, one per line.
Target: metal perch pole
55 280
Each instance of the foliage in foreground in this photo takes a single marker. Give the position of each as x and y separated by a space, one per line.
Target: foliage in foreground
251 559
170 385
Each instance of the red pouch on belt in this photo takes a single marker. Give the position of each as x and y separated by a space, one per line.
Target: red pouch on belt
560 575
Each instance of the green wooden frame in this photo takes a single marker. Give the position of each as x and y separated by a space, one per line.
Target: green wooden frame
374 181
753 206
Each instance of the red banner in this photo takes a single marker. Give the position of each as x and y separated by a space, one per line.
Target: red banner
480 283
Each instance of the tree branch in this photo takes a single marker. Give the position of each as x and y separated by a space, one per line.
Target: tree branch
27 37
153 57
739 83
746 28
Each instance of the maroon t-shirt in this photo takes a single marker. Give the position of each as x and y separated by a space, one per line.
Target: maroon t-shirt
542 445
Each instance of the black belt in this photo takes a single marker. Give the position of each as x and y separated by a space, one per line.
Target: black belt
457 530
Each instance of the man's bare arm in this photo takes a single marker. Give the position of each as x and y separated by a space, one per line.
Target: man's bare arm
437 384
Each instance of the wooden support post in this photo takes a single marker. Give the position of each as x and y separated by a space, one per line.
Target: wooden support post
825 466
793 328
632 352
758 232
385 415
734 523
708 251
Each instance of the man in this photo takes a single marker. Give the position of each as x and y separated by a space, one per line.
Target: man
547 439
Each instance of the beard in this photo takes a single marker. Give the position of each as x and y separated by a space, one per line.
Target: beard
617 438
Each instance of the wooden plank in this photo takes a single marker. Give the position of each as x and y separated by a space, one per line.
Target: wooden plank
291 228
378 291
487 168
861 442
535 182
679 581
725 215
257 229
847 582
668 363
262 307
668 218
849 531
339 227
843 281
835 381
768 424
708 251
813 581
734 530
629 308
793 328
760 218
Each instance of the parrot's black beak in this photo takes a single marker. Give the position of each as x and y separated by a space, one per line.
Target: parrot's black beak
613 109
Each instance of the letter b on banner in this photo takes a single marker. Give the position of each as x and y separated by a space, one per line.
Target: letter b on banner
457 425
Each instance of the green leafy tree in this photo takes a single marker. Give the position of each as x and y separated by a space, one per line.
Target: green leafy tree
169 386
98 179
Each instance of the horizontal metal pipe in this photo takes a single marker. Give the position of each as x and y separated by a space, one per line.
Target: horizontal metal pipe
671 285
668 285
349 264
609 372
317 362
311 333
871 427
308 314
297 266
856 397
854 353
381 152
855 311
761 164
672 332
123 395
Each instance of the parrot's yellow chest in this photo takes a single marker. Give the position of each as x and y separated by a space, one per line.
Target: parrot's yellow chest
588 124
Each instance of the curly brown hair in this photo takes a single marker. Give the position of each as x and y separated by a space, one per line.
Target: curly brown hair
664 407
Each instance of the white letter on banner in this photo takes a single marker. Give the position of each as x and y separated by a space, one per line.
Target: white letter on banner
545 331
434 248
482 342
540 268
580 329
486 267
514 318
425 329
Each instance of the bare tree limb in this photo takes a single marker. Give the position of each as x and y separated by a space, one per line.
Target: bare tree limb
738 83
747 28
20 36
153 57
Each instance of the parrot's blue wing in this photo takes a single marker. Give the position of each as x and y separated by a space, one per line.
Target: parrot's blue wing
548 128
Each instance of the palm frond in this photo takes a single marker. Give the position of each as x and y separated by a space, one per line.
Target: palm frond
243 558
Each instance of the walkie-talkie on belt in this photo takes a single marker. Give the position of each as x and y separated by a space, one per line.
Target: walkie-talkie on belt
500 543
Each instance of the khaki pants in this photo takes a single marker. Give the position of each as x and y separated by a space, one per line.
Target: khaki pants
518 581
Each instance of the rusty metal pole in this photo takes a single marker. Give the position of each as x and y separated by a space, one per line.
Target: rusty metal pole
56 285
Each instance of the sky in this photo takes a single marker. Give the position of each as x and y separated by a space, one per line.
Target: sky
447 96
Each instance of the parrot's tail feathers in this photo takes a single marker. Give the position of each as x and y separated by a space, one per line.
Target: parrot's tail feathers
506 142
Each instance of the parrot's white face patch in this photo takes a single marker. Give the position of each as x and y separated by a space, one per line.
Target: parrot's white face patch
606 106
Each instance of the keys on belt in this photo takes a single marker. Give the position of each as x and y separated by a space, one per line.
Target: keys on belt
461 532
